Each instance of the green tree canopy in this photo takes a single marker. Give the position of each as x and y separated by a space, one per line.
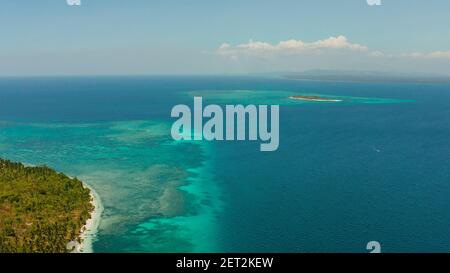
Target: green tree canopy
41 210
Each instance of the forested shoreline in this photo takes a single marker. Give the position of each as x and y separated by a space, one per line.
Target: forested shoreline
41 210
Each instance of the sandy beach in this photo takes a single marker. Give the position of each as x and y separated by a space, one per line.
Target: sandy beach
89 230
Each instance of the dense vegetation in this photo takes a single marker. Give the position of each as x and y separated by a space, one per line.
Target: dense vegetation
40 210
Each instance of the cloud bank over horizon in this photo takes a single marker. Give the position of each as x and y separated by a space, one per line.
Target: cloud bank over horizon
294 46
291 46
335 52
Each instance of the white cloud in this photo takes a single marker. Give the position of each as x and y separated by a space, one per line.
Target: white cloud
298 46
339 42
290 46
429 55
330 53
224 46
377 54
439 54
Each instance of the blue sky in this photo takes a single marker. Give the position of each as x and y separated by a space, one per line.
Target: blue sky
184 36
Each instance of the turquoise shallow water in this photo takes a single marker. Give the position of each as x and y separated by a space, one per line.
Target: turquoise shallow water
157 194
372 167
280 97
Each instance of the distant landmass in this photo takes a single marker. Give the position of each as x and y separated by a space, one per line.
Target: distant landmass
41 210
365 76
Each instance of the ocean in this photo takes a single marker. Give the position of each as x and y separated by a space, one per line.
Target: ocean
374 167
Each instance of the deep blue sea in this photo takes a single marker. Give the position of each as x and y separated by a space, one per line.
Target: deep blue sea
374 167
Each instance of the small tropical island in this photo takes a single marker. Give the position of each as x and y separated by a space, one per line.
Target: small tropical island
314 98
41 210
